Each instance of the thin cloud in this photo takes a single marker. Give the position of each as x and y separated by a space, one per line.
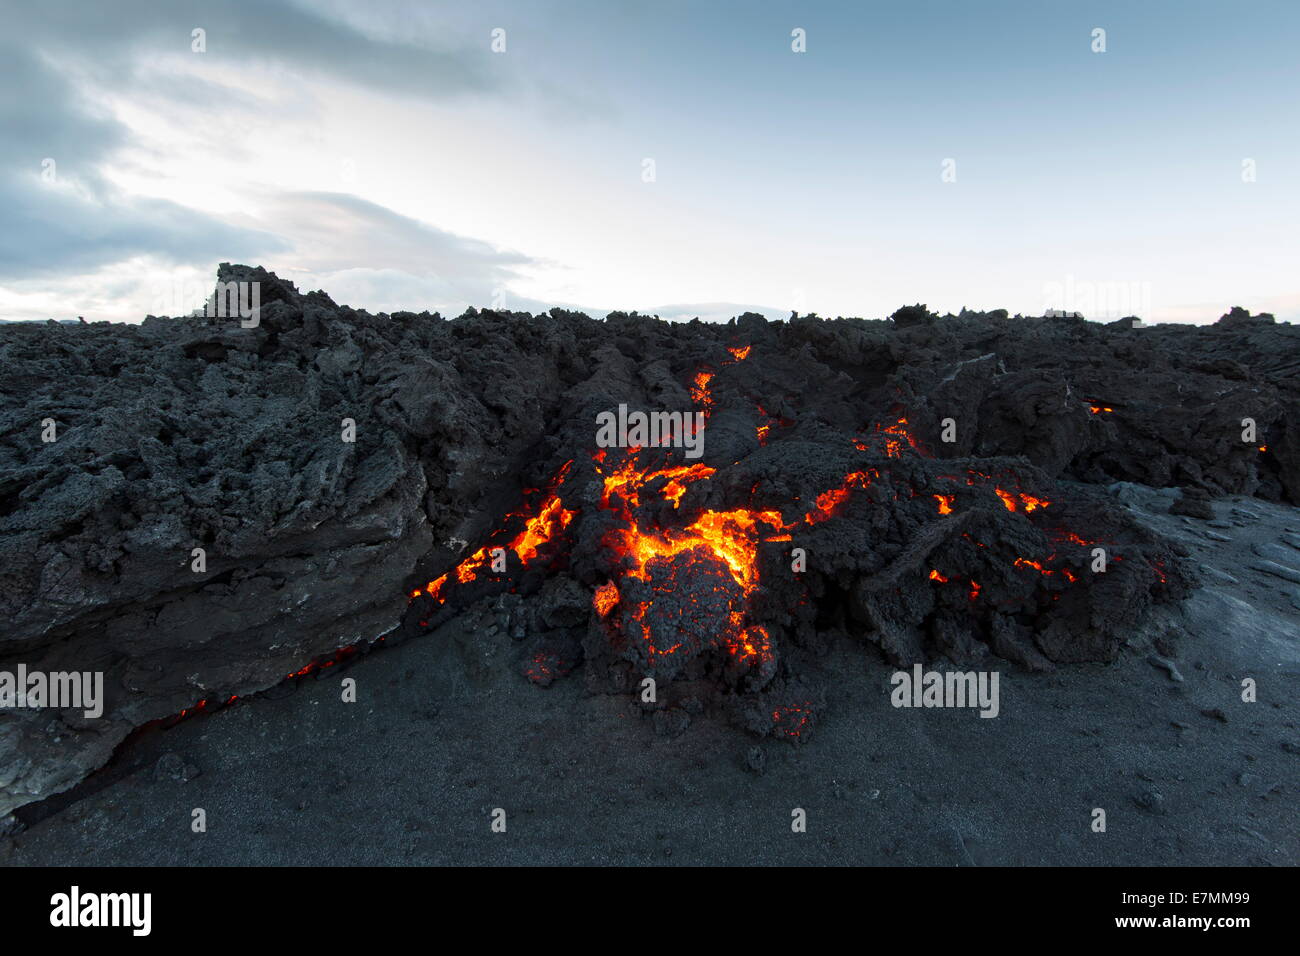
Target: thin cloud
77 222
336 231
108 37
61 217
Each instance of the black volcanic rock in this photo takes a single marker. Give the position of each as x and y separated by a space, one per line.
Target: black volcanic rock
186 433
910 315
1237 318
1193 502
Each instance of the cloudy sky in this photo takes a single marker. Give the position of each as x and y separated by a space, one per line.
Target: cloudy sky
676 158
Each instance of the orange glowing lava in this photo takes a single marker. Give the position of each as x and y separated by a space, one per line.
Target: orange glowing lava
828 501
700 389
627 480
752 646
679 478
605 598
728 536
713 556
1030 503
771 421
900 434
549 520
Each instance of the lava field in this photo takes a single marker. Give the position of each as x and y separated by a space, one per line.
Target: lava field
933 486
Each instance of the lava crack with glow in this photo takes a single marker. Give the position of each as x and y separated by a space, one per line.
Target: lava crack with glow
541 524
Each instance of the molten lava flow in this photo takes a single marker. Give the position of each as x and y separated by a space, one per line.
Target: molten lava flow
679 478
540 529
321 663
1100 409
710 566
683 582
1030 503
1035 565
897 434
627 480
605 598
1070 536
318 664
828 501
548 521
196 709
752 646
728 536
732 535
765 429
700 393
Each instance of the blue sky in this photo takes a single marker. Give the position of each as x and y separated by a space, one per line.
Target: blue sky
384 152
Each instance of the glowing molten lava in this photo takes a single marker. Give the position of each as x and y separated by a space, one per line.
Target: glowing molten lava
547 521
765 429
1030 503
896 435
683 580
729 536
828 501
605 598
700 394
